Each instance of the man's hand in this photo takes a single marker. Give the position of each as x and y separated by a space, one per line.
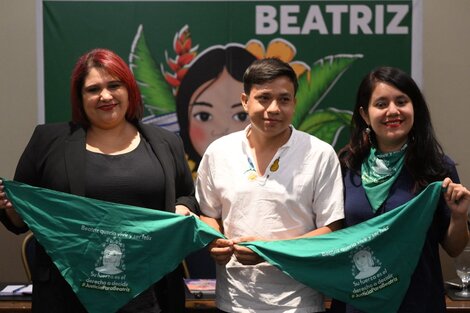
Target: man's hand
221 250
245 255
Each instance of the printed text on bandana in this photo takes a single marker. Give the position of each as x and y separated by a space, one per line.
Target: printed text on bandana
109 273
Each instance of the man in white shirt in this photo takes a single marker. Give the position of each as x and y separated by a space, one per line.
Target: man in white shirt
267 182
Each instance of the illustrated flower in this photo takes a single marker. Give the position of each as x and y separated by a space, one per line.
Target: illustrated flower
278 48
185 54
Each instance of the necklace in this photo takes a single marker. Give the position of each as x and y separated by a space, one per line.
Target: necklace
253 175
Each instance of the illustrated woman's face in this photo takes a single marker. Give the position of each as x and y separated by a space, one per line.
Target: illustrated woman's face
363 260
215 110
390 114
112 256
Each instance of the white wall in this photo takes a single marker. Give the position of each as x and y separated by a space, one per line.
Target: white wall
446 64
18 110
446 67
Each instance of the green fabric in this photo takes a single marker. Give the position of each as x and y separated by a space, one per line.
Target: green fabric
75 231
327 263
378 173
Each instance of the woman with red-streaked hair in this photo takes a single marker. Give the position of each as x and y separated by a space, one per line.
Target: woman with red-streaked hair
102 59
104 153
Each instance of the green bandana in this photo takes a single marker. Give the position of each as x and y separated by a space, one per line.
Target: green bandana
379 172
77 232
108 252
356 264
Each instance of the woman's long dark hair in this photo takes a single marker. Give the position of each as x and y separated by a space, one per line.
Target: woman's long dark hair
208 66
424 156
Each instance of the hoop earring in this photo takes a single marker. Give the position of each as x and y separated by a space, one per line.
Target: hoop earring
367 130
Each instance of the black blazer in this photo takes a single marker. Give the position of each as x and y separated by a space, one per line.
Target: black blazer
55 159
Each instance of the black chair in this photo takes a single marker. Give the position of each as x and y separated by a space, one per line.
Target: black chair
28 251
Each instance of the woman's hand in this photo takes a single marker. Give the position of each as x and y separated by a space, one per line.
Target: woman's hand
9 209
221 250
182 210
4 202
245 255
457 197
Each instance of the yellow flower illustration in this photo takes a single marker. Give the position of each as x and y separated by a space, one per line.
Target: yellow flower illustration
279 48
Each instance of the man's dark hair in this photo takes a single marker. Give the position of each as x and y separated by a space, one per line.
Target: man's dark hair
266 70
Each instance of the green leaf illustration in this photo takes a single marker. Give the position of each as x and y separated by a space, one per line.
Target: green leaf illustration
323 75
326 124
156 93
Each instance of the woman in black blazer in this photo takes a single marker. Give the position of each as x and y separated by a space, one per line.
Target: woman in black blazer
105 153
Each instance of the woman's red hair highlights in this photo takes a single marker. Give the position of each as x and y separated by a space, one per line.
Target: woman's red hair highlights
113 64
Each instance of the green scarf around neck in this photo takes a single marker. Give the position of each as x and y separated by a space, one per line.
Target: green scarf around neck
378 173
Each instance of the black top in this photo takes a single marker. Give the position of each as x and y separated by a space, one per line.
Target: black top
133 178
56 158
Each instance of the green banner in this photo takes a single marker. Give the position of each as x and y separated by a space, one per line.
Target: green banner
175 47
109 252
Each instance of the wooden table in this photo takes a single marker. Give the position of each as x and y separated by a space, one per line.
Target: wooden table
24 306
461 306
206 305
200 305
19 306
